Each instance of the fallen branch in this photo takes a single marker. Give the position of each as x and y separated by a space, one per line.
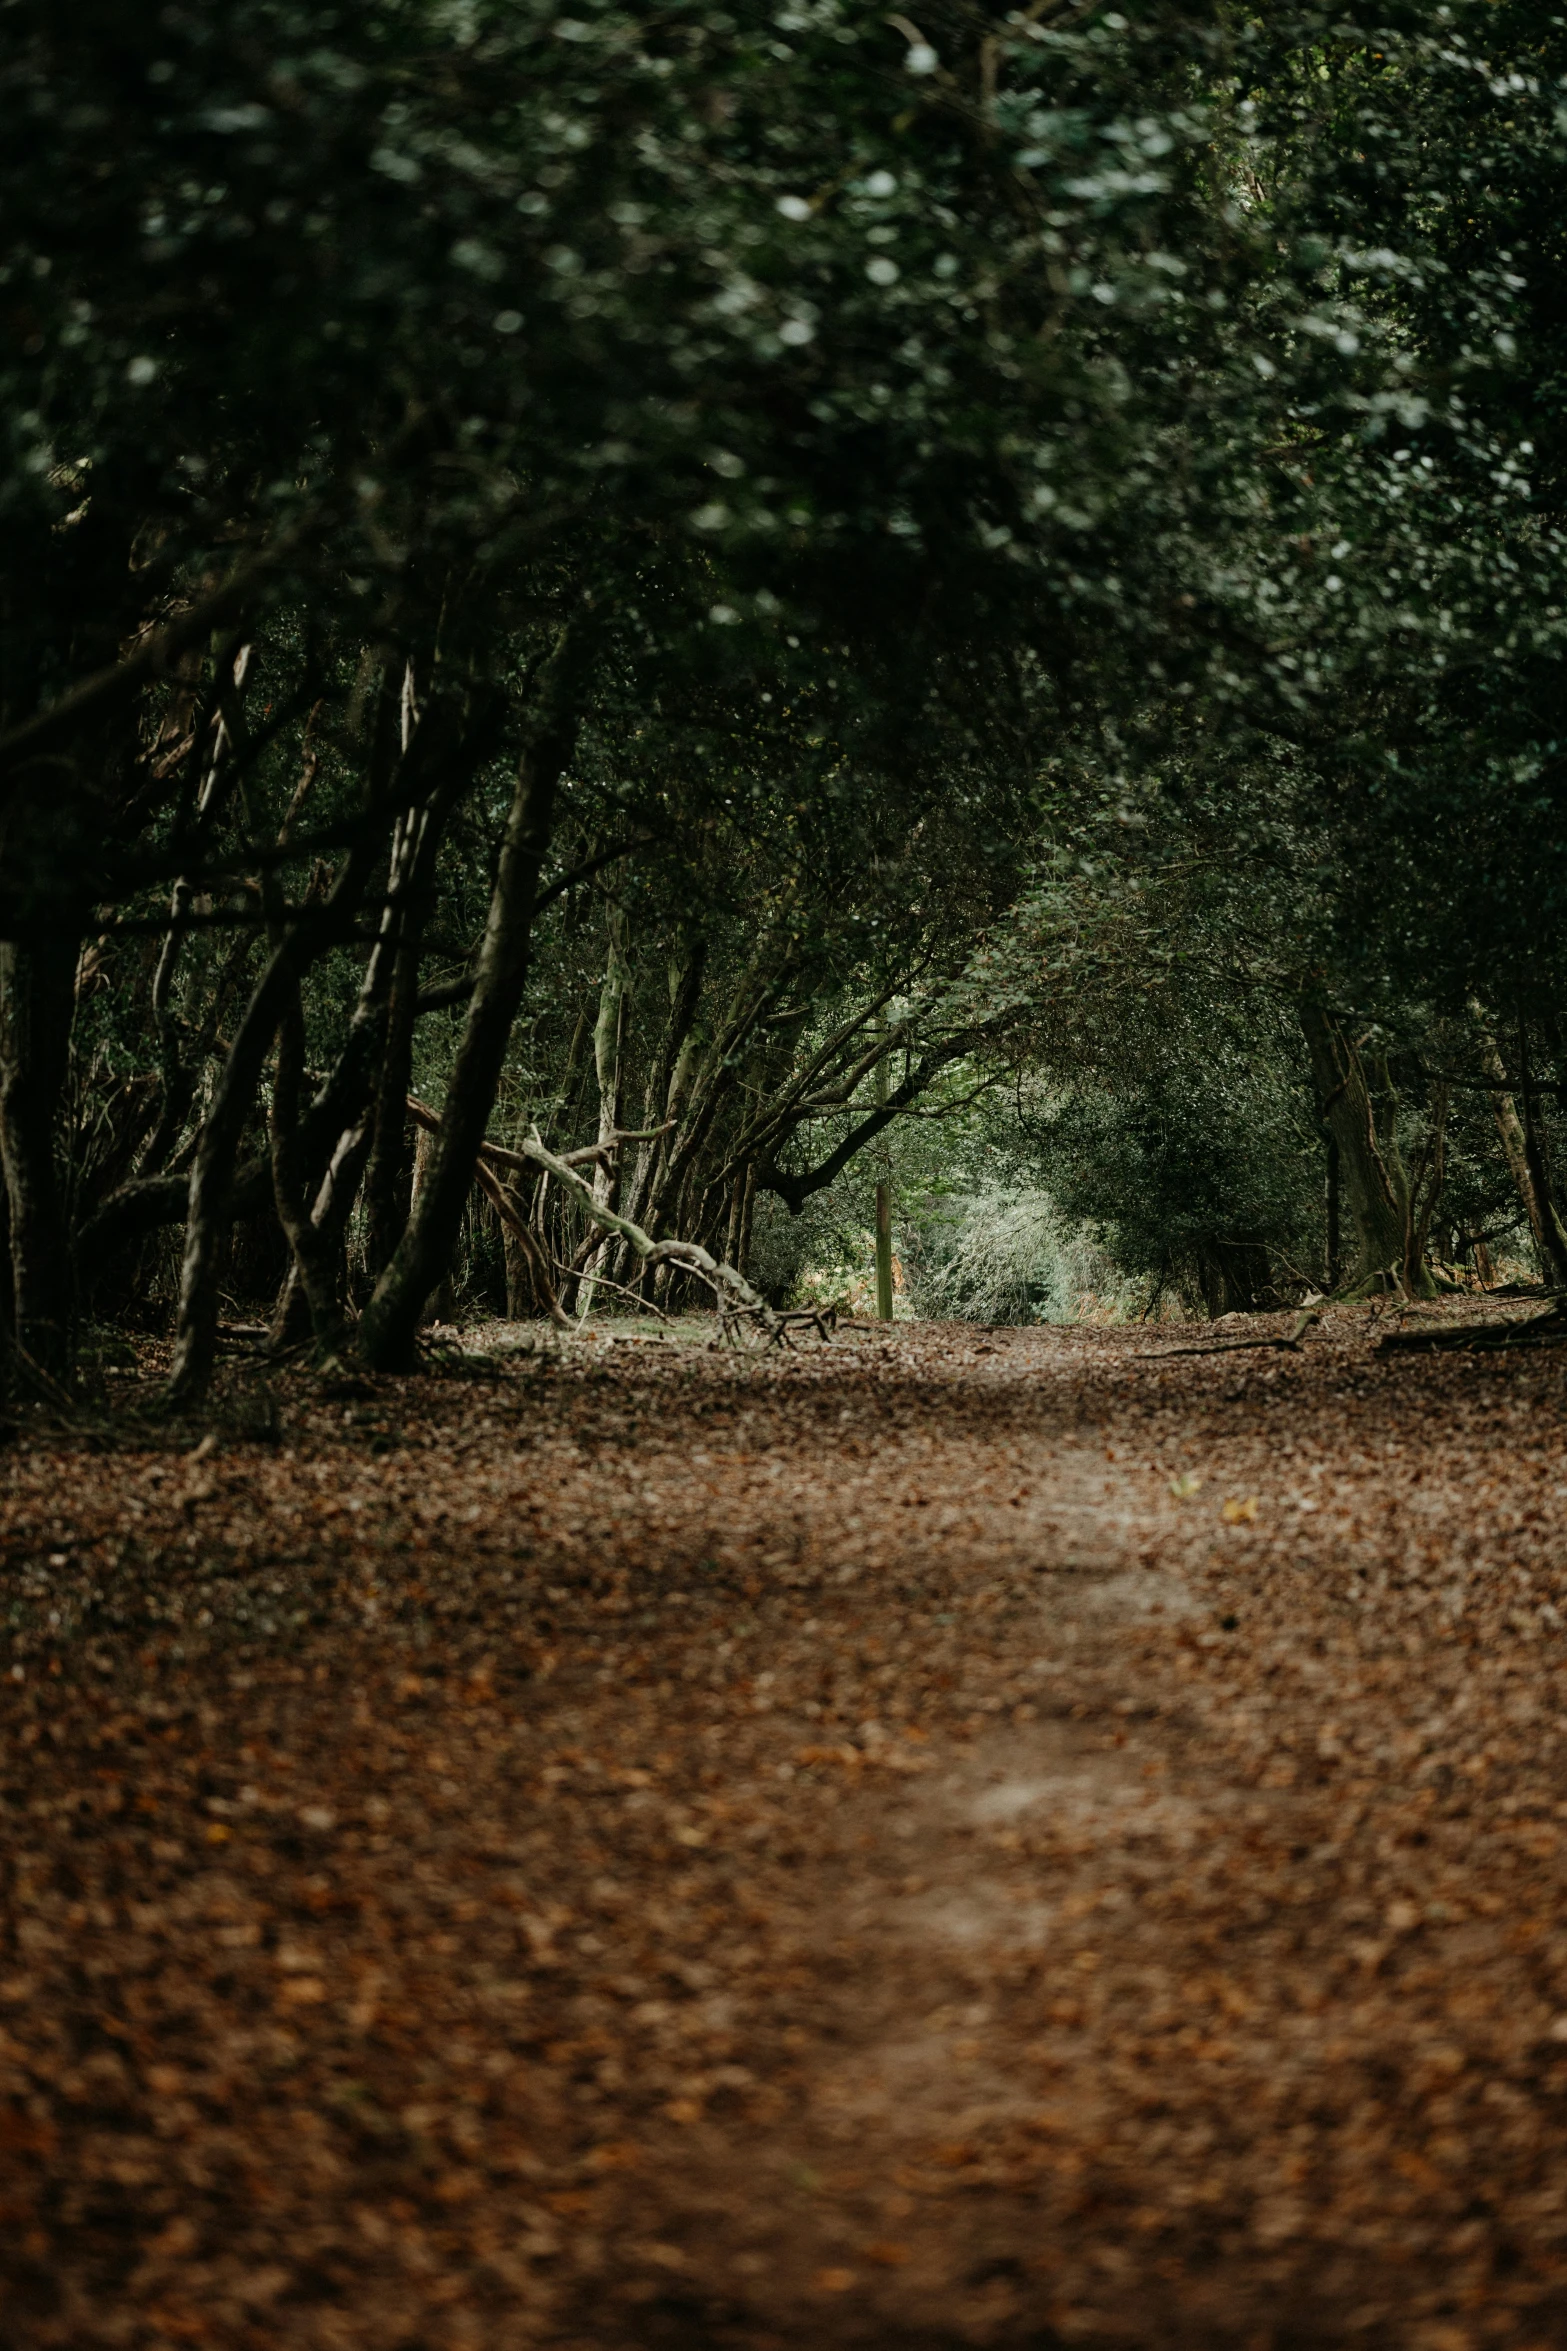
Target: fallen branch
1541 1330
1288 1342
738 1304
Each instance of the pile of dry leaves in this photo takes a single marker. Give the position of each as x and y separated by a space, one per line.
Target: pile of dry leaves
952 1838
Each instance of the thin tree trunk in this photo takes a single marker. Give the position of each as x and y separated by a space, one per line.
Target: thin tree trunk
212 1170
390 1321
389 1174
609 1058
1553 1236
1510 1134
1425 1190
5 1283
330 1212
438 1305
521 1253
742 1259
669 1081
312 1251
736 1218
883 1201
453 734
1368 1157
389 1177
37 1002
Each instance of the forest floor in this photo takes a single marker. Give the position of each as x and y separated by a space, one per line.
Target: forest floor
1006 1838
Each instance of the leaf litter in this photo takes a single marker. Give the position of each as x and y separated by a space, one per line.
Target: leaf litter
953 1838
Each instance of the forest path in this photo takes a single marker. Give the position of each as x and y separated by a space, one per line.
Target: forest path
954 1838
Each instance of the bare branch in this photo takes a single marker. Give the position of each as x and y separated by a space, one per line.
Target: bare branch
738 1304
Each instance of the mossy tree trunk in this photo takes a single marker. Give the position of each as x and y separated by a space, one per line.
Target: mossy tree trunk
1359 1109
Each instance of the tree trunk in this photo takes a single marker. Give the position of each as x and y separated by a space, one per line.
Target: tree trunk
1510 1134
313 1253
670 1194
440 1304
1233 1276
212 1170
1553 1237
37 1002
330 1212
389 1176
452 736
883 1198
669 1081
1373 1173
523 1301
5 1283
391 1319
609 1061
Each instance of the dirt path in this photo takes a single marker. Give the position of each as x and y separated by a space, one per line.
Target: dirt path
668 1851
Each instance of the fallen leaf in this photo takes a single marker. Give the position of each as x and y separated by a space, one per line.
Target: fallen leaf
833 2281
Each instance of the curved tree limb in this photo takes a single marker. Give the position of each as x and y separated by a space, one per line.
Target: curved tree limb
738 1303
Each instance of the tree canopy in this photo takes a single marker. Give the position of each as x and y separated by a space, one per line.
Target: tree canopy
613 625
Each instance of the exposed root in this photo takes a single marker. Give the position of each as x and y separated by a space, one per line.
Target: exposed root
1541 1330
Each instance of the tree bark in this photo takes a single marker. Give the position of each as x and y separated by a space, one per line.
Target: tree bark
390 1322
330 1212
1553 1236
212 1170
1373 1173
389 1176
37 1002
883 1202
1233 1275
1510 1134
522 1254
669 1082
309 1243
609 1060
5 1283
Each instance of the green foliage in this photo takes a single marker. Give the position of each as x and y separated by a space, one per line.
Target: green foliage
1061 517
1010 1255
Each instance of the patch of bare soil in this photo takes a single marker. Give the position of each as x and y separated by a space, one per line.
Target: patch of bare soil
957 1838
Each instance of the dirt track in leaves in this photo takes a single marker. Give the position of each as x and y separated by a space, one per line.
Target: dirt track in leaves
666 1850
